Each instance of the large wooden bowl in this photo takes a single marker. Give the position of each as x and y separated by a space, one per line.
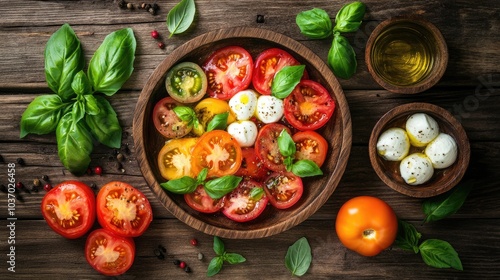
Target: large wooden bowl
317 190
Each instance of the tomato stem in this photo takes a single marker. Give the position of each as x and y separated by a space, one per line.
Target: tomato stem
369 233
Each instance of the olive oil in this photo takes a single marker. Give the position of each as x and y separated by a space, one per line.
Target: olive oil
403 54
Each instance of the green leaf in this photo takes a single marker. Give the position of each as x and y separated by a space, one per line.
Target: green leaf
219 187
234 258
315 23
214 266
442 206
408 237
180 18
74 144
42 115
349 17
440 254
219 121
186 114
219 246
113 62
63 59
202 176
105 125
182 185
78 111
298 257
286 145
342 58
81 84
286 80
91 105
306 168
256 193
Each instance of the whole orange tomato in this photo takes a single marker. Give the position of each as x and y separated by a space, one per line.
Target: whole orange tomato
366 225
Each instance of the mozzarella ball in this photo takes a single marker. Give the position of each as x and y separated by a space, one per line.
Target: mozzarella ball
245 132
442 151
243 104
416 169
393 144
421 129
269 109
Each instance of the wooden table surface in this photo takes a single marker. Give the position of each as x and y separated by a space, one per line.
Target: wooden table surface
469 90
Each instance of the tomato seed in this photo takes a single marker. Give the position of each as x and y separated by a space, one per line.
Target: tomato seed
194 242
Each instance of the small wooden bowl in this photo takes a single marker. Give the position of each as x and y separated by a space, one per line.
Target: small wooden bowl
317 189
443 179
421 29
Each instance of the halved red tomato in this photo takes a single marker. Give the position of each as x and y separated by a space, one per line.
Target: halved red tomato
310 145
266 146
218 151
200 201
284 189
251 165
229 70
69 209
166 120
108 253
174 159
267 64
309 106
123 209
240 206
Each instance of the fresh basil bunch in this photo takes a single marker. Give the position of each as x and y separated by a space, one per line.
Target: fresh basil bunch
316 24
75 112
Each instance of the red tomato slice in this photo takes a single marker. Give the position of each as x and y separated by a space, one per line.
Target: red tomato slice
309 106
109 253
218 151
267 64
200 201
310 145
251 165
69 209
239 206
266 146
166 120
123 210
229 70
284 189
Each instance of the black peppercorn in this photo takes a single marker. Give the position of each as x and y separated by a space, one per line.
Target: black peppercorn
152 11
34 189
187 269
93 186
45 178
177 262
260 19
163 249
122 4
20 161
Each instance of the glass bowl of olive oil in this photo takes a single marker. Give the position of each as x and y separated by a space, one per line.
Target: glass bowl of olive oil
406 54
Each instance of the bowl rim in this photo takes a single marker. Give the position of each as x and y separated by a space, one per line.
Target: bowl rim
459 135
233 33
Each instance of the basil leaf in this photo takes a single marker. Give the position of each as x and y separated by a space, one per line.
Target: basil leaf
81 84
63 59
182 185
349 17
447 204
214 266
105 125
219 187
113 62
298 257
408 237
342 58
286 145
78 111
256 193
91 105
234 258
286 80
219 121
42 115
440 254
74 144
186 114
202 176
314 23
219 246
180 17
288 162
306 168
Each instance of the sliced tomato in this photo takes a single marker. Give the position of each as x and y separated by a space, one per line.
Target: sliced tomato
200 201
267 64
309 106
284 189
207 109
123 209
166 120
229 70
174 159
108 253
218 151
266 146
69 209
251 165
240 206
310 145
186 82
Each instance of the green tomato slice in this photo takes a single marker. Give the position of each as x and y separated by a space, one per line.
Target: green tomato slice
186 82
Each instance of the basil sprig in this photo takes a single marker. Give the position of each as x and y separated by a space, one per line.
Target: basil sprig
301 168
180 17
349 17
217 262
219 121
286 80
298 257
74 112
315 23
341 57
188 115
447 204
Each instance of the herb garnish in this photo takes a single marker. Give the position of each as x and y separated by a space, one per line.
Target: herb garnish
298 257
180 18
216 263
301 168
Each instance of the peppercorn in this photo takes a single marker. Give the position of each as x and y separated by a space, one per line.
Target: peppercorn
159 254
260 19
161 45
20 161
98 170
194 242
37 182
122 4
93 186
177 262
120 157
47 187
163 249
200 256
20 185
45 178
152 11
182 265
143 5
155 34
187 269
130 6
34 189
